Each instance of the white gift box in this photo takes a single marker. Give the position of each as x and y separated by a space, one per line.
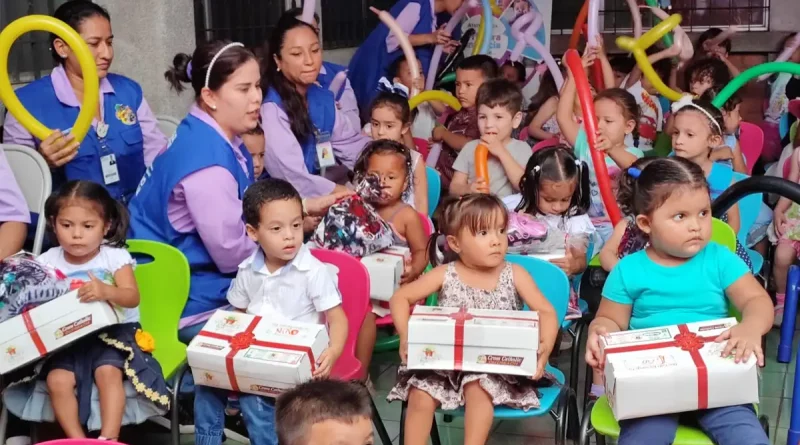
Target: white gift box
248 353
385 270
679 368
50 326
496 342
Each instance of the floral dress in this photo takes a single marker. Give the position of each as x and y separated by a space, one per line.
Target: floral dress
447 387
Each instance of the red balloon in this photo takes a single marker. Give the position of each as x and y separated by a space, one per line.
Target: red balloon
590 126
597 75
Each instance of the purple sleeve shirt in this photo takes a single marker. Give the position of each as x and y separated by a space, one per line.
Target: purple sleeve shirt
348 104
12 202
407 19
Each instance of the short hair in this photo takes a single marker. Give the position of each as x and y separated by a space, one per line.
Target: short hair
500 92
263 192
709 34
315 401
518 67
481 62
622 63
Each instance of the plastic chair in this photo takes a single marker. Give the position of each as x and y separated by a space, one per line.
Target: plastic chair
523 134
79 442
662 146
751 141
164 290
422 147
544 144
167 125
33 177
355 303
559 402
434 189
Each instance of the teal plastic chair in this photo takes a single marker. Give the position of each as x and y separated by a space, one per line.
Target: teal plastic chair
559 401
163 289
434 189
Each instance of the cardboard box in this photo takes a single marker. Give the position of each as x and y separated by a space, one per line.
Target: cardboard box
53 325
679 368
385 270
497 342
248 353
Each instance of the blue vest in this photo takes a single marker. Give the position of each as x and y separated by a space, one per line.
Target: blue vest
196 146
372 59
331 70
322 110
124 138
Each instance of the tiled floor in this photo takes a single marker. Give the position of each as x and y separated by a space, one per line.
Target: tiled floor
776 391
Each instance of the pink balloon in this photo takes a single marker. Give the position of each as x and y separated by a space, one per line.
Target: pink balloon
637 18
519 35
530 37
685 50
786 53
593 30
338 82
437 52
408 50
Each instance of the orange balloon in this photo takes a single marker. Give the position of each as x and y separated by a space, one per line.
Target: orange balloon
575 38
482 162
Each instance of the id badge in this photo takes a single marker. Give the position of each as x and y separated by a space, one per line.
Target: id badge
325 150
110 171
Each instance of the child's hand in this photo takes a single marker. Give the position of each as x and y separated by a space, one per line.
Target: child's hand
545 348
602 143
778 220
438 134
479 186
494 145
94 290
571 263
403 350
406 271
589 56
600 47
451 46
326 361
742 342
594 355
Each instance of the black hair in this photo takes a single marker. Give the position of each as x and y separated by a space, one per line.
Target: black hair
297 12
315 401
729 105
394 67
626 182
663 68
481 62
195 74
263 192
294 105
630 109
660 179
473 212
557 163
73 13
396 102
500 92
708 68
709 108
113 212
622 63
518 67
709 34
382 147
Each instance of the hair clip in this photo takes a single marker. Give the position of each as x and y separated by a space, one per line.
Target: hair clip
578 162
537 168
634 172
189 70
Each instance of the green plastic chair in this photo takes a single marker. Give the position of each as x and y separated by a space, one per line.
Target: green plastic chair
662 146
164 290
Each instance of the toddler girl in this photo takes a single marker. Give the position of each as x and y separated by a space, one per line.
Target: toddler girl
90 227
391 161
542 123
474 226
730 152
682 278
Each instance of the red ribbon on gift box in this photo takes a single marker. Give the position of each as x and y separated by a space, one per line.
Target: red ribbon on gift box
244 340
37 340
461 317
687 341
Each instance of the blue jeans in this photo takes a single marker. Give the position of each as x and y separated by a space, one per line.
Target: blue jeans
209 417
731 425
186 335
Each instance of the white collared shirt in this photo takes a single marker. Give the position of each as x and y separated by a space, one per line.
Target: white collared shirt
301 291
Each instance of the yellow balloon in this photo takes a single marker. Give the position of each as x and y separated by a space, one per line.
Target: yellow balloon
638 47
476 48
442 96
91 83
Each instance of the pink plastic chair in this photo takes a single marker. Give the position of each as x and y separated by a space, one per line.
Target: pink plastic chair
523 134
794 107
545 143
422 147
751 141
79 442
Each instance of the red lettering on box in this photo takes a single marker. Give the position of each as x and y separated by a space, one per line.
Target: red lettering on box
73 327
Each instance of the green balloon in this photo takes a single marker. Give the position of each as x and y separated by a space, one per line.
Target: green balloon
448 78
747 76
667 39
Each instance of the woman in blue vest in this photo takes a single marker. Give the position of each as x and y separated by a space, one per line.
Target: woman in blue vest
381 48
124 137
308 137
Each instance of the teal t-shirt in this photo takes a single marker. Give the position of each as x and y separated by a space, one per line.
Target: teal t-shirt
662 296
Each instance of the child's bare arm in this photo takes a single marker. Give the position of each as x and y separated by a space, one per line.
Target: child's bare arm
453 140
545 112
337 333
124 292
536 301
611 317
420 178
564 114
459 185
753 302
739 165
622 157
414 234
609 254
733 216
412 293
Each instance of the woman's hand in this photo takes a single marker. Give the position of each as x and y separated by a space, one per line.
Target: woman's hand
594 354
58 149
310 223
742 343
440 36
319 206
94 290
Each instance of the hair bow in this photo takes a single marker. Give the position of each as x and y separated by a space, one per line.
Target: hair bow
394 88
683 102
687 101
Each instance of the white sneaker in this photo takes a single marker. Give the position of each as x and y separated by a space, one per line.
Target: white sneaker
778 316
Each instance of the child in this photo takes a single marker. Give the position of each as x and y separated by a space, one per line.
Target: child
705 74
555 190
617 115
281 279
417 18
499 103
719 51
514 72
651 115
462 126
475 230
426 113
730 152
389 119
542 110
682 278
778 106
622 65
254 141
391 161
90 227
324 412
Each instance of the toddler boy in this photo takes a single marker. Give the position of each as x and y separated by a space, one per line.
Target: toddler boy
254 142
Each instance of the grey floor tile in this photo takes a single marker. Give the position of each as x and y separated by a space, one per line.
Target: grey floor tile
772 384
779 438
534 427
786 413
770 406
388 411
392 428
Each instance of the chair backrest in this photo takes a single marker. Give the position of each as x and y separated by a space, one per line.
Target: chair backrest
33 176
523 134
783 125
427 224
167 125
434 189
663 145
422 147
551 280
164 290
544 144
355 294
722 233
749 208
751 141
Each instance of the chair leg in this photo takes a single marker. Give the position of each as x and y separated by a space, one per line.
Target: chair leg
376 420
561 416
574 417
3 424
586 429
435 439
575 355
175 427
34 433
401 439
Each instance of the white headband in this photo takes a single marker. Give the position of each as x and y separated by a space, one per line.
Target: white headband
686 101
216 56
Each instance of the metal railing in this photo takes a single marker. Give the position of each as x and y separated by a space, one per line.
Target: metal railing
30 56
246 21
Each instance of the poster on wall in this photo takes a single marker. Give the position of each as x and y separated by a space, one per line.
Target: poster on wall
504 13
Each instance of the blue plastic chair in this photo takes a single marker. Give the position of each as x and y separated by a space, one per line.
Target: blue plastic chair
559 401
577 328
434 189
